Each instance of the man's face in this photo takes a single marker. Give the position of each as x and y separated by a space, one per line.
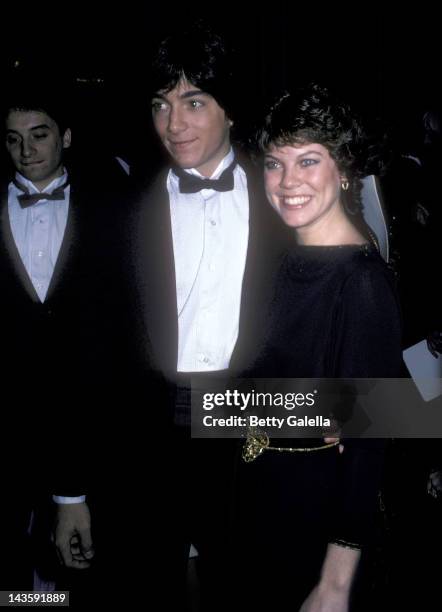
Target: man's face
35 145
192 126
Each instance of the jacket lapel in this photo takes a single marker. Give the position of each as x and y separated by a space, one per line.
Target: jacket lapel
155 275
11 252
67 249
268 237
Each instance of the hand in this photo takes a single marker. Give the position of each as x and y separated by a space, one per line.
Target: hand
334 436
72 535
434 484
332 441
323 599
332 592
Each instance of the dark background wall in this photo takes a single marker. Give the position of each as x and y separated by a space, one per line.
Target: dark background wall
387 65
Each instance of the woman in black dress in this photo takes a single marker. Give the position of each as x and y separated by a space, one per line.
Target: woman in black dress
303 515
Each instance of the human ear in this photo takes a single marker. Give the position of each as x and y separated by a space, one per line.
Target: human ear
67 137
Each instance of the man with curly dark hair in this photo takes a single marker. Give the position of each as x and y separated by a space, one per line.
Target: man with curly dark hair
204 243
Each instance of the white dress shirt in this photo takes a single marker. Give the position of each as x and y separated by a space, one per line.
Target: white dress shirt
210 235
210 231
38 230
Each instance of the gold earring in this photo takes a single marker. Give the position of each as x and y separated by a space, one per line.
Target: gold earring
345 184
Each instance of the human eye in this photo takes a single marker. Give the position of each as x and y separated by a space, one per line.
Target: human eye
40 135
158 105
271 164
308 161
12 139
194 103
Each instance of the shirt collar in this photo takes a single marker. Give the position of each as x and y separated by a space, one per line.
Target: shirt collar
224 163
57 182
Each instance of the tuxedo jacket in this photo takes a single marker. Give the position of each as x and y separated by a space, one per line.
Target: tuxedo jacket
56 355
157 331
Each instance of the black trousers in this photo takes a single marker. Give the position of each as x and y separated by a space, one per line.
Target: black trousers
178 491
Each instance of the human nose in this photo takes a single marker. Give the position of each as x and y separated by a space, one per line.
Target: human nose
290 178
177 121
26 148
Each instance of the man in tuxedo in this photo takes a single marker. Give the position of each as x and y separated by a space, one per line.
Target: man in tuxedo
57 276
207 242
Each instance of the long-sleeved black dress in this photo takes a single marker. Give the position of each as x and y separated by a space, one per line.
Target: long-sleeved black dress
333 314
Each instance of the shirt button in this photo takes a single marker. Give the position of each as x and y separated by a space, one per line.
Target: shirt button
212 222
206 360
40 253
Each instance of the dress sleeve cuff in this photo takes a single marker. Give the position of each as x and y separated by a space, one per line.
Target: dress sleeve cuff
61 499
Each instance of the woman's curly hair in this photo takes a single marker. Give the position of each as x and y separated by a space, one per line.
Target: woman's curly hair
313 115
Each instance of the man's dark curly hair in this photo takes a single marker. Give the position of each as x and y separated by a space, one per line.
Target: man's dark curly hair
200 55
25 92
313 115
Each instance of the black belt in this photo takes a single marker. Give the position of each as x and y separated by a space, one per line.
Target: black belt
183 392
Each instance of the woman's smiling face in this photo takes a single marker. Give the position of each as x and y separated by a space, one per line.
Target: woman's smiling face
302 183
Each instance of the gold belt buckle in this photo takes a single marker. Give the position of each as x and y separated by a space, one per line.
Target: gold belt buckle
256 442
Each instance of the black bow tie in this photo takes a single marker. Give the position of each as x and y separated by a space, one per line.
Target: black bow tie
189 183
28 199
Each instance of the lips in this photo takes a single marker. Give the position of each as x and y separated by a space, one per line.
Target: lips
182 144
295 201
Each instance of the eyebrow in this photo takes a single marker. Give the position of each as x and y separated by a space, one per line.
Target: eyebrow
192 93
310 153
35 127
301 155
187 94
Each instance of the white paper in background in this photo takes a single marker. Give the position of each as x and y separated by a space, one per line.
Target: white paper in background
193 552
374 213
425 370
